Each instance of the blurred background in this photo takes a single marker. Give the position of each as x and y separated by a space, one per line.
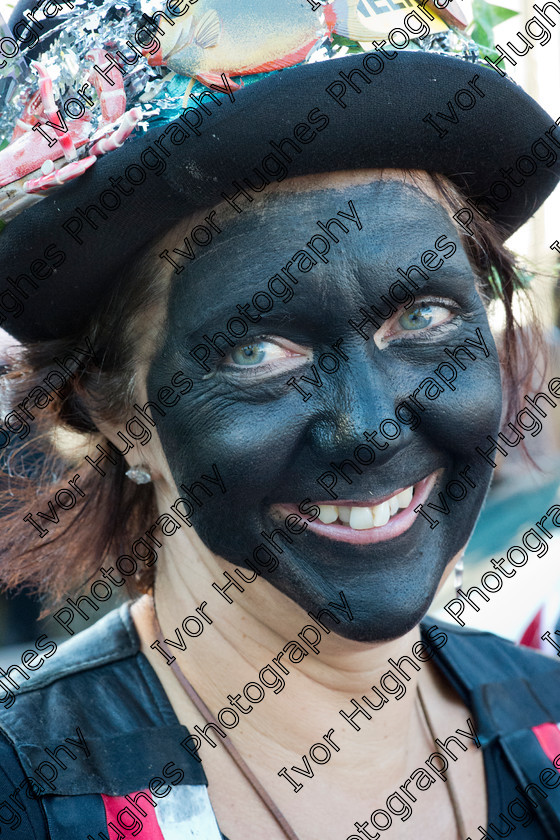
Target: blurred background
529 603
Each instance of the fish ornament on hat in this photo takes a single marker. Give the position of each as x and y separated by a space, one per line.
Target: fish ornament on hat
63 97
236 39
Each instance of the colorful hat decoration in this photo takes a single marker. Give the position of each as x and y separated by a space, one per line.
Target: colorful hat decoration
117 146
115 69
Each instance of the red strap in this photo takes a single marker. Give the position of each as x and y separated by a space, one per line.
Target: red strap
121 812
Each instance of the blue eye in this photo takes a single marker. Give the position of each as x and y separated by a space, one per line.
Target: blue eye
424 315
418 318
423 318
263 357
257 353
249 355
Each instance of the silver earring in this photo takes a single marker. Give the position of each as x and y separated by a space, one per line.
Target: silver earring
139 475
458 574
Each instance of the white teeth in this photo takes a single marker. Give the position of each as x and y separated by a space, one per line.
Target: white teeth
361 518
404 498
344 514
328 514
381 514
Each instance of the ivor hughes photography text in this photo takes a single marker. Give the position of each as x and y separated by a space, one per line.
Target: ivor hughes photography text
279 429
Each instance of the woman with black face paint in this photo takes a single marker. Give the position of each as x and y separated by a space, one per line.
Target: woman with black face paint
262 402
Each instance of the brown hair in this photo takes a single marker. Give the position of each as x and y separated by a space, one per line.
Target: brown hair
114 510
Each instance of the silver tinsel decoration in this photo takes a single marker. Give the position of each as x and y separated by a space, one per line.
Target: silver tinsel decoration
157 90
108 27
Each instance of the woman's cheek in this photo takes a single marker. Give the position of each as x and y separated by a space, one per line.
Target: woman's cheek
462 420
251 444
457 399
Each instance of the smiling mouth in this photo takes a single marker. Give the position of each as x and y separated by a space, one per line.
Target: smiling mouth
363 523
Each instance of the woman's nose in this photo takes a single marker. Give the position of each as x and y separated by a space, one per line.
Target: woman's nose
358 410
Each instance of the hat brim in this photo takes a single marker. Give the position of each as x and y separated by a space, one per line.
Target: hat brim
382 126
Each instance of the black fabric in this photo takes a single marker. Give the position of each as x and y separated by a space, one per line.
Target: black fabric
380 127
501 791
30 822
510 690
101 682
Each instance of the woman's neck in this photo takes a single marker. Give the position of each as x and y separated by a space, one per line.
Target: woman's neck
245 659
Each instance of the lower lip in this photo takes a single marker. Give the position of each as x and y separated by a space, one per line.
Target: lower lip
396 526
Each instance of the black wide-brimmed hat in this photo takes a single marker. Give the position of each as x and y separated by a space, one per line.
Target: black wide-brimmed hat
192 147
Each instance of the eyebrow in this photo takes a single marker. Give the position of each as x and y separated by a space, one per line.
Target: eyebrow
217 324
444 274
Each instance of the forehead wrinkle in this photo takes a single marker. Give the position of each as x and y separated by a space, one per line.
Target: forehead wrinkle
322 183
221 243
275 205
355 263
229 236
338 182
358 177
270 206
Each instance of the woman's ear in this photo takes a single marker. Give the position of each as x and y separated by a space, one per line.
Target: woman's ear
140 447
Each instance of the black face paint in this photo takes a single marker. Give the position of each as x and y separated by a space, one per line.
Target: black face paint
271 446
